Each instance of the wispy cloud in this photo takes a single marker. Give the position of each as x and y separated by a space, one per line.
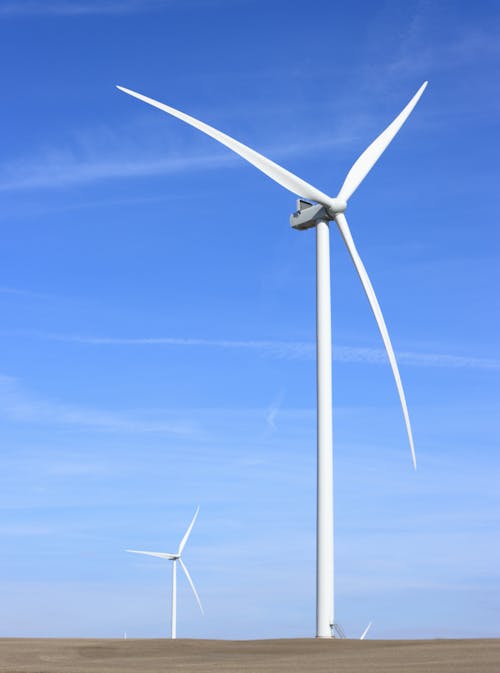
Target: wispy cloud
12 290
70 8
66 168
273 410
418 54
18 405
74 8
290 350
17 292
101 154
468 48
57 169
279 349
80 468
443 360
24 530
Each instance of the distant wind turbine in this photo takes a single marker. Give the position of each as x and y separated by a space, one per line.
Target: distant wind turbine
327 209
174 558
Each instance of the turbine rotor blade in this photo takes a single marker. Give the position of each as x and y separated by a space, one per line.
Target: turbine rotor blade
277 173
191 584
370 293
370 156
153 553
187 533
363 635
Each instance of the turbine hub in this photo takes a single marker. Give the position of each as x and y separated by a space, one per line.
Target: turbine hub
337 206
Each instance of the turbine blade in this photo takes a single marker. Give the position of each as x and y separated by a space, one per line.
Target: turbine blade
187 533
366 631
277 173
370 156
191 584
370 293
152 553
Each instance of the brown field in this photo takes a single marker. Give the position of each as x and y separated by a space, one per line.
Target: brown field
30 655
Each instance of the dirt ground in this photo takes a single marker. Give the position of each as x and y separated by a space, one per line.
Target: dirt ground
26 655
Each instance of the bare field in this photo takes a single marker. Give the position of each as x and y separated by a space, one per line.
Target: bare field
31 655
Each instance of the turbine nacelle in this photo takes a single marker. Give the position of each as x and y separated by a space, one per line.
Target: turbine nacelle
308 215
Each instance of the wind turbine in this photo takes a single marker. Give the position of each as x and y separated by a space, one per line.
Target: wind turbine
174 558
326 210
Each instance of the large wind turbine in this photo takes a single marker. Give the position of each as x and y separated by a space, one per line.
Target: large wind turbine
326 210
174 558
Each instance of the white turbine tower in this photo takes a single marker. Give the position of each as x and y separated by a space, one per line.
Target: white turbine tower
327 209
174 558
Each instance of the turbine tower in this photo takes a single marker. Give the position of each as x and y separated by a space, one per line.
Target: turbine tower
174 558
319 215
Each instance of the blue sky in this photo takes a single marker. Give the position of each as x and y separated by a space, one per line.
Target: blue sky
158 317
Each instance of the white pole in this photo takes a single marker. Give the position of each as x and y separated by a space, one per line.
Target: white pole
324 541
174 599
